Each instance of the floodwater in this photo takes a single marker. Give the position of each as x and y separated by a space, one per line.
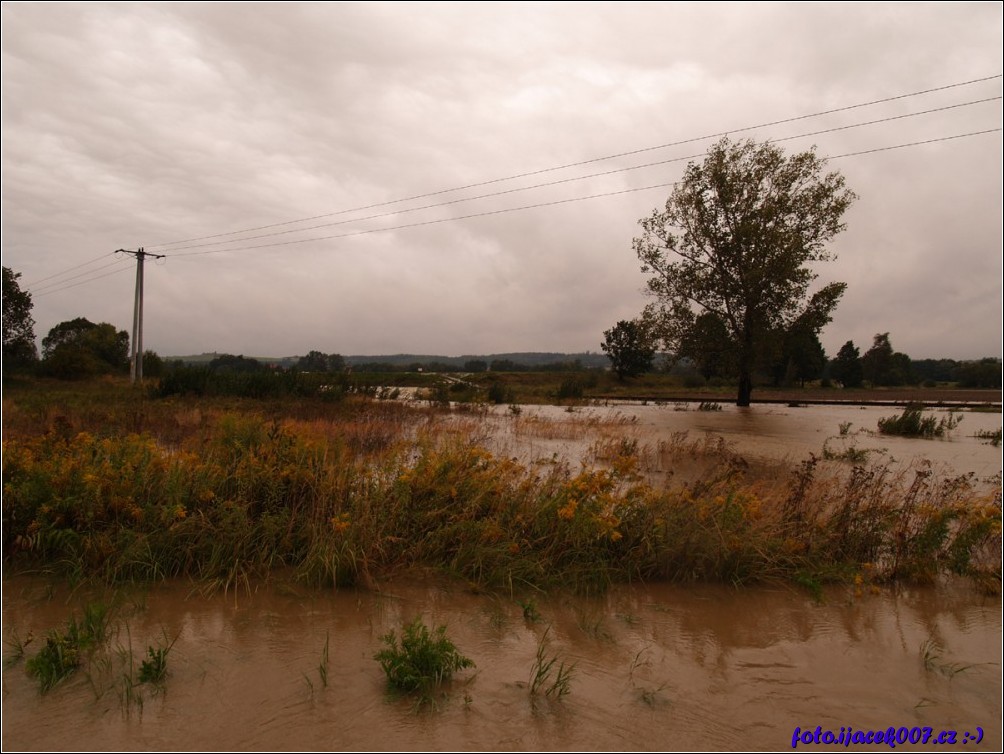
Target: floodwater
794 433
656 666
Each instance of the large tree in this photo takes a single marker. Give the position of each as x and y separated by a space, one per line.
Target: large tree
736 240
629 347
80 348
883 366
18 326
846 368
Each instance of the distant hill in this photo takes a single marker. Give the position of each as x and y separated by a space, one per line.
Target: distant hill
523 358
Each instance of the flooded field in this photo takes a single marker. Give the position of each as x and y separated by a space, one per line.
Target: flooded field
655 667
276 665
791 433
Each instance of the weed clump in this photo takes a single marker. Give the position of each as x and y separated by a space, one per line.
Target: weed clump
422 660
992 438
62 653
913 423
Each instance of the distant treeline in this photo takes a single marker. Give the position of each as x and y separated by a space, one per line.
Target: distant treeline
982 373
317 361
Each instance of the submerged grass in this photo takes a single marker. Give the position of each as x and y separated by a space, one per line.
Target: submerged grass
228 492
64 651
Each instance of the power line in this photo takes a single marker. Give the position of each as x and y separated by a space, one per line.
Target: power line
586 162
41 290
82 282
575 178
543 204
60 274
915 143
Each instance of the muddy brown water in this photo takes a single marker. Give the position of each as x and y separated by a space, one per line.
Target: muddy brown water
656 666
793 433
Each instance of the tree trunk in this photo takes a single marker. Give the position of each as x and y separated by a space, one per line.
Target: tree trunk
745 389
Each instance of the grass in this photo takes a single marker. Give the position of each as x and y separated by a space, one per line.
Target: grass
119 487
913 423
322 668
545 678
422 660
931 656
63 652
993 438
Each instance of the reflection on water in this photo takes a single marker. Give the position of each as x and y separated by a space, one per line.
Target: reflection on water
656 667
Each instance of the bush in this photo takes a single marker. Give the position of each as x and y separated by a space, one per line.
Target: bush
499 393
571 388
912 423
422 660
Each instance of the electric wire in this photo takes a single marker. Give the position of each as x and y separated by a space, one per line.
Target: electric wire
585 162
542 204
561 181
39 290
83 282
34 283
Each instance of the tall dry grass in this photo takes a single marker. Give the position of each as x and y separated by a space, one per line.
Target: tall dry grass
225 493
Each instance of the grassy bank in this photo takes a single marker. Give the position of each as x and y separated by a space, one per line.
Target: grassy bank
102 481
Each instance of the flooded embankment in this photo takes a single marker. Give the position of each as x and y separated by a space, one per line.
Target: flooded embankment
656 667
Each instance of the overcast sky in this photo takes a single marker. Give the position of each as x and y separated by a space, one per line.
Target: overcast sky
129 125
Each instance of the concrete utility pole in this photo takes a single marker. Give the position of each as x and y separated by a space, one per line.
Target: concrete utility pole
136 354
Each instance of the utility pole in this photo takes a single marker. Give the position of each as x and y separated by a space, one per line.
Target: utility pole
136 355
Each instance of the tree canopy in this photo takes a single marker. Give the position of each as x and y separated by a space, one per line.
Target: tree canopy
735 241
80 348
18 326
846 368
630 348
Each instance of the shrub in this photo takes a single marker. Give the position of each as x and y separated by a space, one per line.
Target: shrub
423 659
912 423
499 392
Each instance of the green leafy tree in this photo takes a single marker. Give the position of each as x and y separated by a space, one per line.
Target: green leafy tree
802 356
315 361
227 363
80 348
630 348
18 326
884 366
736 239
846 367
983 373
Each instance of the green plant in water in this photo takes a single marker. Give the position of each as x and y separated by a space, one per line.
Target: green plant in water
530 612
544 677
422 660
322 668
850 453
154 668
61 655
930 654
913 423
709 406
59 658
17 646
993 438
